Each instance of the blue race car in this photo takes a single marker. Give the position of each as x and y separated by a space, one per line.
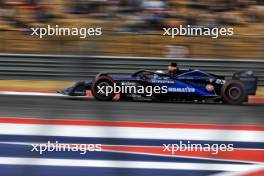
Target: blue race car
186 85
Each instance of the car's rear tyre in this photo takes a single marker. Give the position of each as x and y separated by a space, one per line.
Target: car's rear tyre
101 94
234 92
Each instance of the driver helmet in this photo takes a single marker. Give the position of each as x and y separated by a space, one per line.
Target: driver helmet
172 68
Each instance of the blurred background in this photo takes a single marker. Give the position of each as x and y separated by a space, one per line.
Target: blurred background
130 28
134 27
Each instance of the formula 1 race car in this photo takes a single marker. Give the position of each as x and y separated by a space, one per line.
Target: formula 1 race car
187 85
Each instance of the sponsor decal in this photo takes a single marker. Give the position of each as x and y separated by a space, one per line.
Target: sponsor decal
127 83
163 81
220 81
209 87
185 89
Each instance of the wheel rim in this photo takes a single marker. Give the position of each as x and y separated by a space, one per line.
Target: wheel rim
104 85
234 93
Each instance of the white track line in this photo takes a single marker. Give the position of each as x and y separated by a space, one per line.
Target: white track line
131 132
241 173
45 94
30 93
124 164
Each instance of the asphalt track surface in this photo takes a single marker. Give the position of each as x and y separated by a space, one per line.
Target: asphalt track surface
89 109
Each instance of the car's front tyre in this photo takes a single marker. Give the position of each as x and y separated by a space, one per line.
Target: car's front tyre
100 88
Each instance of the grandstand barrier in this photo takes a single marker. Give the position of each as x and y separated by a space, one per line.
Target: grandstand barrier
67 67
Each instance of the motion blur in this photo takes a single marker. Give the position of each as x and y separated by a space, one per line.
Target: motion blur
194 70
135 26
